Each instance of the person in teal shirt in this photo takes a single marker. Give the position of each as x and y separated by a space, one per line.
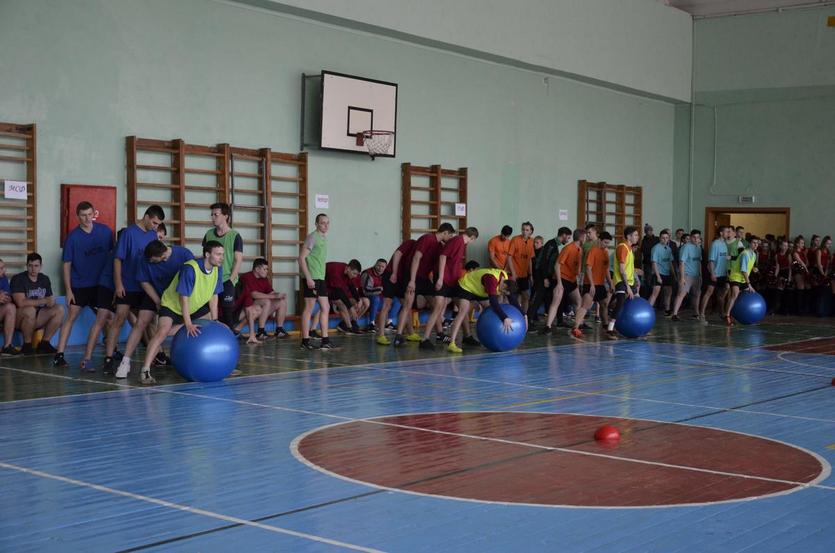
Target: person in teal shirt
717 265
690 273
663 271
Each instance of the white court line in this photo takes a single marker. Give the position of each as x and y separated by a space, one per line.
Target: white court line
187 509
781 357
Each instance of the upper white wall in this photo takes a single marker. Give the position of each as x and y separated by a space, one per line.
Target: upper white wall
641 45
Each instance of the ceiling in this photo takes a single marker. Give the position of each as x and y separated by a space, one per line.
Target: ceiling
717 8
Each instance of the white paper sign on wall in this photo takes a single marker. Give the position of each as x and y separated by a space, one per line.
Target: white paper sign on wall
461 209
323 201
563 215
15 190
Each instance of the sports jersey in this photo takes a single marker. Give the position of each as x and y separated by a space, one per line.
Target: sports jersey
87 253
521 253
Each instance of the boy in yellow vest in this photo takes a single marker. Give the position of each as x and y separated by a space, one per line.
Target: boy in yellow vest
626 285
478 286
192 294
739 273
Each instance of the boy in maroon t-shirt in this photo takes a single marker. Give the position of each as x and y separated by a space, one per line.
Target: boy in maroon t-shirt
394 279
450 269
423 261
256 289
338 277
372 289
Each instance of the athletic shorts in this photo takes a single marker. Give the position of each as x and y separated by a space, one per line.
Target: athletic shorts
319 289
691 283
524 284
392 291
178 319
424 287
148 304
447 291
741 285
721 282
104 298
227 297
620 288
339 294
85 297
600 292
666 280
462 294
568 286
131 299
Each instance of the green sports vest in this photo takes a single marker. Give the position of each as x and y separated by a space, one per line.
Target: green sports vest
228 243
317 257
471 282
204 289
735 267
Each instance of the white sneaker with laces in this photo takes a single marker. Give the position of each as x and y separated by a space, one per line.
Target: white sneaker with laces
124 368
146 378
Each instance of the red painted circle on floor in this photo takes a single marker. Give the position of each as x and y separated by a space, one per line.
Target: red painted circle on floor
553 459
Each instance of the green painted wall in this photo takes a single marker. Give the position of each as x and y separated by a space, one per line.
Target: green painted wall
765 116
90 72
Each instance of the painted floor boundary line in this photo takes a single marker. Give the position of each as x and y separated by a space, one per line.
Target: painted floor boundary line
186 508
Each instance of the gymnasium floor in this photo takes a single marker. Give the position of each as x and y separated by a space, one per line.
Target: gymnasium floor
726 446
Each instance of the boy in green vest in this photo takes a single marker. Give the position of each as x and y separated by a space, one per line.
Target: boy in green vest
739 274
192 294
312 259
478 286
233 248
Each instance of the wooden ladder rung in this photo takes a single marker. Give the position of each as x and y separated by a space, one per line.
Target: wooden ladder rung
15 147
285 179
18 159
247 175
249 207
196 171
287 194
256 192
157 185
155 168
288 242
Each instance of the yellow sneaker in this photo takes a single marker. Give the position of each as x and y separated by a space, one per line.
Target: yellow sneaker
452 348
413 337
383 341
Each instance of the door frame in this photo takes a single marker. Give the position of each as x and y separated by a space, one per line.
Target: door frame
710 217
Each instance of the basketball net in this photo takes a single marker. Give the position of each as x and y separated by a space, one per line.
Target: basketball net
377 143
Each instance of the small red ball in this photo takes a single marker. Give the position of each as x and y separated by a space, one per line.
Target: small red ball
607 433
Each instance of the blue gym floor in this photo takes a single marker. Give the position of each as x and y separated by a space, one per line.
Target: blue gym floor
98 466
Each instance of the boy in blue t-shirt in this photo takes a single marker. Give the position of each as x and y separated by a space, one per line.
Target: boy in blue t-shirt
663 270
158 268
85 253
690 273
717 265
130 248
8 312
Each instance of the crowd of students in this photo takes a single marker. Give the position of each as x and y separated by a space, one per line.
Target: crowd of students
159 287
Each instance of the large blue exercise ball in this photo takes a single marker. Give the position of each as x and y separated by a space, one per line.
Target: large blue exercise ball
749 308
636 318
491 332
208 357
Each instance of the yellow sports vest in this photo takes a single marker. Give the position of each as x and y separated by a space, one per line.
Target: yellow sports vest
629 265
204 289
735 268
471 282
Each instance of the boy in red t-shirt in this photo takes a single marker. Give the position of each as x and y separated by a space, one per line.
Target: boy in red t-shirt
256 290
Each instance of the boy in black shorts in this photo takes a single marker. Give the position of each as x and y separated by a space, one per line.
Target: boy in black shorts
36 307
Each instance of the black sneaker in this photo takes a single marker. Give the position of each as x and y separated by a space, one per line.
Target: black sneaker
280 332
59 361
161 360
45 347
306 344
675 318
27 349
668 313
10 350
427 345
326 344
440 337
546 330
107 366
399 340
342 327
390 325
261 335
117 355
355 328
470 341
371 328
584 326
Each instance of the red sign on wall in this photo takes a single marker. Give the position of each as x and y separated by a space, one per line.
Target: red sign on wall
103 199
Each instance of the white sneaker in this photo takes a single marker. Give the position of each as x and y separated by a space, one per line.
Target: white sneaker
124 368
146 378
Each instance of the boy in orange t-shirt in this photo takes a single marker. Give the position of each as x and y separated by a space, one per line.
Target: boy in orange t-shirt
596 277
521 256
567 271
498 248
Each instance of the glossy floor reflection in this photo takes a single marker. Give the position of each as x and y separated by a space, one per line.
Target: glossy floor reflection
91 464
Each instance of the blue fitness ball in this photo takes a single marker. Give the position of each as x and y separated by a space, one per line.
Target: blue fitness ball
749 308
636 318
208 357
491 332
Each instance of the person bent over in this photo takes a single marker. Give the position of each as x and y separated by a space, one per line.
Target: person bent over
479 286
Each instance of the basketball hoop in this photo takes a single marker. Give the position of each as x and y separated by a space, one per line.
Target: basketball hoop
377 142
